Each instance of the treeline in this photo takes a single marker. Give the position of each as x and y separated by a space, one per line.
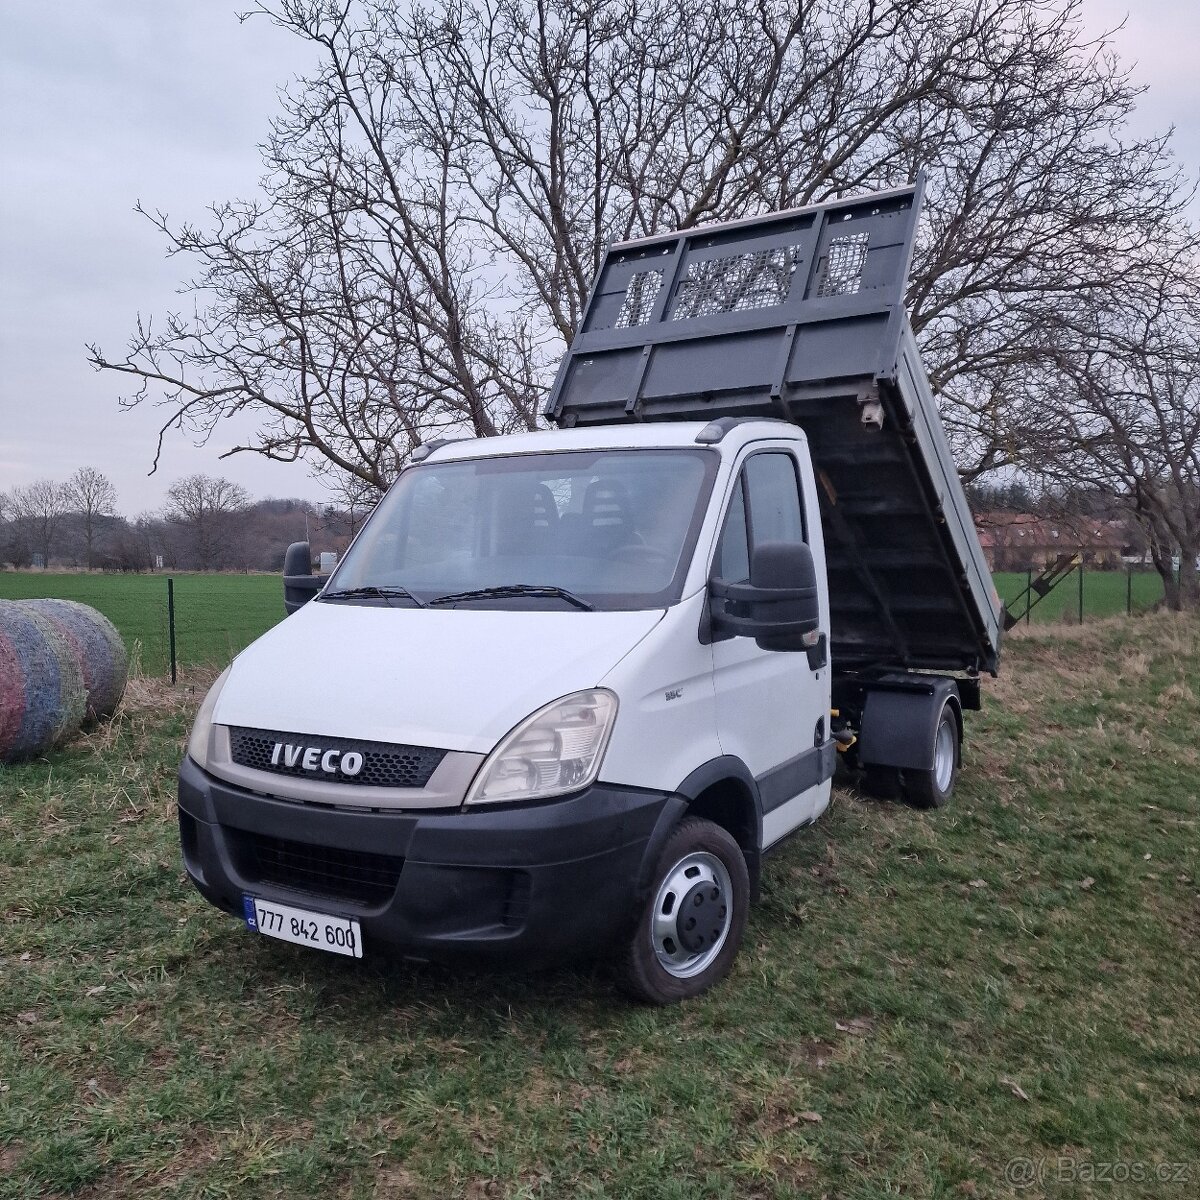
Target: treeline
1080 502
207 524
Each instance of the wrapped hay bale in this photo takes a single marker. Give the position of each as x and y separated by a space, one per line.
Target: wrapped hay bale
98 650
44 698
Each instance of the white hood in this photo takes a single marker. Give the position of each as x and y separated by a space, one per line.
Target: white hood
457 679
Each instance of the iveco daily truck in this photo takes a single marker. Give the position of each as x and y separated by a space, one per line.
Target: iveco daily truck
567 690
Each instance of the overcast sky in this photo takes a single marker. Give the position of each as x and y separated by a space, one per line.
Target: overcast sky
165 101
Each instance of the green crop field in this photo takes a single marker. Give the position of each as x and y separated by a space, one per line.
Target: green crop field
1104 594
998 998
215 615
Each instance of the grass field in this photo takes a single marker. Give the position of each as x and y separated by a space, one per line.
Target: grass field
1104 594
922 1000
218 615
215 615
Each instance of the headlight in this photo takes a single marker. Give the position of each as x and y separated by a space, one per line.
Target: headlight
556 750
197 747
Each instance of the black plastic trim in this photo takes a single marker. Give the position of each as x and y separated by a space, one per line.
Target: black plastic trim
726 769
805 771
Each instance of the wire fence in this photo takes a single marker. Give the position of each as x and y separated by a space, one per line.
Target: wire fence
1084 594
216 616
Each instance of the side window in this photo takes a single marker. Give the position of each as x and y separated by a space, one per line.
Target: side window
732 561
773 498
764 507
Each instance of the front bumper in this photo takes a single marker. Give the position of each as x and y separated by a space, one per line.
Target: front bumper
531 883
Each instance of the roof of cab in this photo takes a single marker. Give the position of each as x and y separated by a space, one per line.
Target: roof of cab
642 435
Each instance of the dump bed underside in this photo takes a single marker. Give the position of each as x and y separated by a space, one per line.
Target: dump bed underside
800 315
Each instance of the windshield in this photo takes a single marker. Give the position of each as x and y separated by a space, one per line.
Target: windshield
608 529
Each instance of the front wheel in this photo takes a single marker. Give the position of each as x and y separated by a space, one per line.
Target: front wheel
691 926
932 788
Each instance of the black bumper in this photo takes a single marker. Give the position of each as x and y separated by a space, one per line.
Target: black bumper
529 883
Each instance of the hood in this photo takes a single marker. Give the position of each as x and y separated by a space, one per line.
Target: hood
457 679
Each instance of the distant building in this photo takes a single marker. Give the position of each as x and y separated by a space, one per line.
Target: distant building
1014 541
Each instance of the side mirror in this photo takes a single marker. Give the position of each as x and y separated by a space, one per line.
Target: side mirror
300 585
779 607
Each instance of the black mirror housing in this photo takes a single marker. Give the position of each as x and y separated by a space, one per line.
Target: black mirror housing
779 607
300 585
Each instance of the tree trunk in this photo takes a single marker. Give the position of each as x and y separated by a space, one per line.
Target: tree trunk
1188 587
1162 558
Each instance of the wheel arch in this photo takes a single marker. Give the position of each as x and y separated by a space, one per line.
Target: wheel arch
725 792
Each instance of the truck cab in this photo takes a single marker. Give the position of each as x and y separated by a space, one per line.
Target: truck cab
567 689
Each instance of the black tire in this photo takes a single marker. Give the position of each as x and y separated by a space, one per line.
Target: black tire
932 788
664 960
881 782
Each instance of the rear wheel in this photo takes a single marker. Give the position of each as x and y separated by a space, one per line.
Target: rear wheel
691 926
881 782
932 788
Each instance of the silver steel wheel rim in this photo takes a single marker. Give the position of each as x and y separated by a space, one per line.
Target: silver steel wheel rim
943 755
669 948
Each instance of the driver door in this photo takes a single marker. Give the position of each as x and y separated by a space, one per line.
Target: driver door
772 707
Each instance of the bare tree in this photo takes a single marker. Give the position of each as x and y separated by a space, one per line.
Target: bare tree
91 495
354 500
439 189
207 509
38 508
1124 415
12 548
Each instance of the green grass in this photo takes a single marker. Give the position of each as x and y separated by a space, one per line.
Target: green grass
921 997
218 615
215 615
1104 594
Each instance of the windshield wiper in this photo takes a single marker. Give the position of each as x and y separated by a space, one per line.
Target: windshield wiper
372 589
517 589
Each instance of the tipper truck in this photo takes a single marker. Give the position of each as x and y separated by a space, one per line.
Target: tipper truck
567 690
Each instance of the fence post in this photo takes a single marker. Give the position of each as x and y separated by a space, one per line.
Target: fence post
1129 591
171 623
1081 591
1028 593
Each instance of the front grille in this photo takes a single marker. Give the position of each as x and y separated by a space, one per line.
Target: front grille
384 764
355 875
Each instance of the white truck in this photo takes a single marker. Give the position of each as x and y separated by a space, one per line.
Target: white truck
566 690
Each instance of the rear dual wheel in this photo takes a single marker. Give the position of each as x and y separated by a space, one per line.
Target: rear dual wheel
689 930
922 789
932 788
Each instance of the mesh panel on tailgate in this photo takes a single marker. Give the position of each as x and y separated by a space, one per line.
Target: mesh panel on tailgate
384 764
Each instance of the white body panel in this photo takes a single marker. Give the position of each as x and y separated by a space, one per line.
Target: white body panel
799 810
458 679
667 724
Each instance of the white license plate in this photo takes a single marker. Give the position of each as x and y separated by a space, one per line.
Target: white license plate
338 935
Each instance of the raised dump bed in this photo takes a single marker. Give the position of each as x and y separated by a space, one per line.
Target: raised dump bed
800 315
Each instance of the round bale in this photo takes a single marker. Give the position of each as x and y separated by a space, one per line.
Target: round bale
42 693
98 650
